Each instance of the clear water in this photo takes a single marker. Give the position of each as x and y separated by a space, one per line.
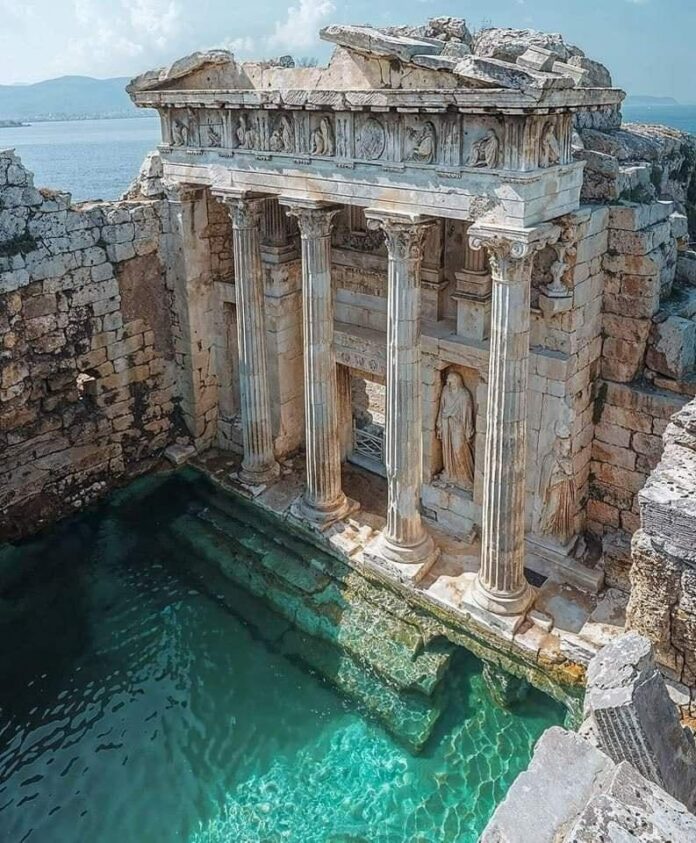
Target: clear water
92 159
135 706
677 116
98 159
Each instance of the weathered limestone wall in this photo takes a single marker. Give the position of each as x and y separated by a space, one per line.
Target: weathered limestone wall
647 366
662 605
87 383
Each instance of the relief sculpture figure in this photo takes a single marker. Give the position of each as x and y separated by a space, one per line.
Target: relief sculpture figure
484 151
455 429
550 150
424 147
180 133
214 136
322 138
282 137
246 136
557 490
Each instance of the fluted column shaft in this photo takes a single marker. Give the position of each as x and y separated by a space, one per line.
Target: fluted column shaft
500 585
404 538
323 500
258 464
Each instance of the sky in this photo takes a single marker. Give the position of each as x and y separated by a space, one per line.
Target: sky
647 44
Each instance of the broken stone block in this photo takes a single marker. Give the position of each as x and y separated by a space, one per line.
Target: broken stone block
366 39
635 720
596 74
537 58
502 74
577 74
672 347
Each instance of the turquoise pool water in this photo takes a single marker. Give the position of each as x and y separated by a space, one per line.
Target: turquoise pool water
135 705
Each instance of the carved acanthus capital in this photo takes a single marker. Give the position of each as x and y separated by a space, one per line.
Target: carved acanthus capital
314 221
245 210
511 250
405 237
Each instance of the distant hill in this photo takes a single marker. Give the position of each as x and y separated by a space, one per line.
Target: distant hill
67 98
642 99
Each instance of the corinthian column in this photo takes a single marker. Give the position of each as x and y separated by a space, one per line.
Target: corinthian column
404 544
323 501
500 585
259 465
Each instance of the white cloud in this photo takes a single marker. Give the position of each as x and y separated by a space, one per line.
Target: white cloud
302 25
107 33
244 44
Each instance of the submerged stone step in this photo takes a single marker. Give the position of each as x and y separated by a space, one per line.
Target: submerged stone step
331 614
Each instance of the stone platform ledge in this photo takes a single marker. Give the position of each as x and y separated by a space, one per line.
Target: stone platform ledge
553 661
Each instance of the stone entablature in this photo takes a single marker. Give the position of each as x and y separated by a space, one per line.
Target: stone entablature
458 150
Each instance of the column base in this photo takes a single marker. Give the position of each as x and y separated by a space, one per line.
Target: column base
503 603
262 477
408 563
320 518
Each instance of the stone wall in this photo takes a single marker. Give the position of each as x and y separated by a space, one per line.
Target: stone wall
662 605
87 382
647 360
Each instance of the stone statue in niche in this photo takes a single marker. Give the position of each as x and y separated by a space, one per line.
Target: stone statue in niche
371 141
423 150
557 489
323 138
549 148
282 137
484 151
246 134
455 429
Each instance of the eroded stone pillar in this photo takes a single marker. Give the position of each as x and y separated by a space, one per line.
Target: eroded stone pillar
190 277
500 585
323 501
259 465
404 542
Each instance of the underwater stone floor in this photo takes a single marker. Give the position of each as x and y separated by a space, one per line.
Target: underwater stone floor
146 696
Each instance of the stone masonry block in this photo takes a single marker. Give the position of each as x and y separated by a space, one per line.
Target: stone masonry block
672 347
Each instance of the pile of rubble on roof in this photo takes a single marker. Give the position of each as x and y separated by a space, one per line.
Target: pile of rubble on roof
493 58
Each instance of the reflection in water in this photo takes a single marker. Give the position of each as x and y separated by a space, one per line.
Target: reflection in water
136 705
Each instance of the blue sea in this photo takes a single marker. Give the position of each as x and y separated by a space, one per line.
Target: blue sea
97 159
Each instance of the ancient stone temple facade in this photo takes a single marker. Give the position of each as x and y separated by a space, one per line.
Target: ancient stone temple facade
414 229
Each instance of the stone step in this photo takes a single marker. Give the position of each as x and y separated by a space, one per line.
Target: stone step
377 640
408 626
410 717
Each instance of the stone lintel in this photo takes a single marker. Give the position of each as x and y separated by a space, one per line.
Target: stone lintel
230 194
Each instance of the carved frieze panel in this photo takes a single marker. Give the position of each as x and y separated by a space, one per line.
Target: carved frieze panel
371 138
212 132
420 140
322 135
450 142
482 144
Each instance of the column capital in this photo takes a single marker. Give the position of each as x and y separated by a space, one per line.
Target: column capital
510 250
314 218
405 233
245 207
177 191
